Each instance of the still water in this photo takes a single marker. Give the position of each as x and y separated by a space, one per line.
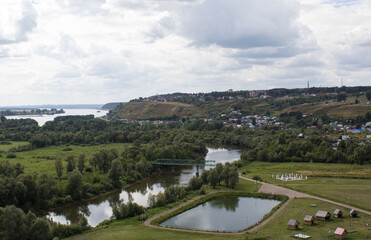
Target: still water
42 119
229 214
100 209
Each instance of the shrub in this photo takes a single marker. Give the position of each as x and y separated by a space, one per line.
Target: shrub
257 178
11 155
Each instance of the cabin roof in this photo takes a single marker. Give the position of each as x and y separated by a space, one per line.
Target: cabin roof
340 231
308 218
338 211
293 222
322 214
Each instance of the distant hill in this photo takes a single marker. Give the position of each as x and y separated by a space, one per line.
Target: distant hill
112 105
59 106
332 109
156 110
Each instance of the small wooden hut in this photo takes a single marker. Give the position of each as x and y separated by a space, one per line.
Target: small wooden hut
323 215
309 219
293 224
353 213
338 213
341 233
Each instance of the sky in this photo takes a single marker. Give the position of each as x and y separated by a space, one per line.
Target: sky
99 51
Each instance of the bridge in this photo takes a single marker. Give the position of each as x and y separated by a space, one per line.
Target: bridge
184 162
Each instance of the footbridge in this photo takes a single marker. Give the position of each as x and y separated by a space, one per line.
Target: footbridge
184 162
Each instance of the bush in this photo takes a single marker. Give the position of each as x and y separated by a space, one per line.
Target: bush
67 149
11 155
257 178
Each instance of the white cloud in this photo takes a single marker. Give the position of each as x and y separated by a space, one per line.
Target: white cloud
17 20
68 51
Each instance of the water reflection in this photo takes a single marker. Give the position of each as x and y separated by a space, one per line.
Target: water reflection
229 214
99 209
227 203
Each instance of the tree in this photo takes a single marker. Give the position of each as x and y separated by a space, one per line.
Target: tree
116 172
341 97
75 185
195 183
59 169
39 230
71 163
233 177
81 163
12 223
213 177
368 95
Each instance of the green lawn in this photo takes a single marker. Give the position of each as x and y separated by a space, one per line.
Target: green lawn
298 208
337 186
37 160
139 231
6 147
359 195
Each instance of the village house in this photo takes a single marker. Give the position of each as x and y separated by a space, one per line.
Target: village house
293 224
341 233
309 219
323 215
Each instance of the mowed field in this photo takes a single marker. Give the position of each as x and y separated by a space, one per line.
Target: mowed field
43 159
338 182
298 208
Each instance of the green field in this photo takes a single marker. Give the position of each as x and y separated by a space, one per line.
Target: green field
43 159
298 208
339 184
139 231
6 147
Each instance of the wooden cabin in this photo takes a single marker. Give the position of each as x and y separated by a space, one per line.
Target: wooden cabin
341 233
353 213
293 224
309 219
323 215
338 213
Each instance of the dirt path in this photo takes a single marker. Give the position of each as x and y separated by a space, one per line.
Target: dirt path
265 188
271 188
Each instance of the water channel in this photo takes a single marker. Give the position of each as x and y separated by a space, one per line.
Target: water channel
228 213
99 209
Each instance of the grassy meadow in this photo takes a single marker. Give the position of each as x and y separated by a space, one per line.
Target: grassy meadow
332 181
298 208
43 159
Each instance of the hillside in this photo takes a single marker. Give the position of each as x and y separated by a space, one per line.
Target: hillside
112 105
345 110
156 110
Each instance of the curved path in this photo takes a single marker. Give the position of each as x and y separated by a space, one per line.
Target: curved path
265 188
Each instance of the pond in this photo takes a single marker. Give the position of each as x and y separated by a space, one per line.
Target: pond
225 214
99 209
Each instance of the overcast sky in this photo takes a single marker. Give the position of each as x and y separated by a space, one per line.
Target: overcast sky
98 51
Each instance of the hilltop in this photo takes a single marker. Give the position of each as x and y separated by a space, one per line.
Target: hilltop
112 105
156 110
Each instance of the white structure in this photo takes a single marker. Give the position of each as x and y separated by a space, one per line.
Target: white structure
289 177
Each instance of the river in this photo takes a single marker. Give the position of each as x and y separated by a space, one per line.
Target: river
42 119
99 209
